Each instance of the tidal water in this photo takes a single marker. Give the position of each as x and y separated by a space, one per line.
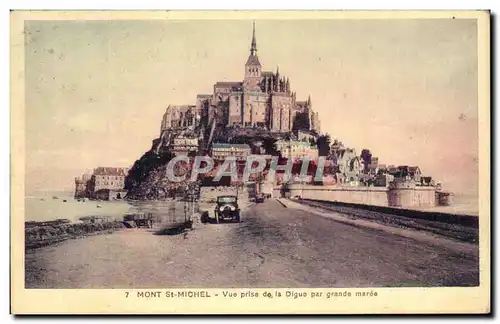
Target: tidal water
41 206
45 206
465 204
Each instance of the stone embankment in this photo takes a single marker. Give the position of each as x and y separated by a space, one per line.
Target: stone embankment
400 194
457 227
38 234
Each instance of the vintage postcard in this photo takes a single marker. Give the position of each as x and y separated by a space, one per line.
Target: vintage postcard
250 162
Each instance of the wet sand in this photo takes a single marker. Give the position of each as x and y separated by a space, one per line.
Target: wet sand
129 258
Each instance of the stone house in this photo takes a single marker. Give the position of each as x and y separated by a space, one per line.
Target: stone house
220 151
183 145
306 136
297 149
107 178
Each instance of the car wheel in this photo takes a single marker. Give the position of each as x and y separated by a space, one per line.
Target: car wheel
204 218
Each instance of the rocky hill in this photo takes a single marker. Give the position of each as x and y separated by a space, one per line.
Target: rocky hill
147 179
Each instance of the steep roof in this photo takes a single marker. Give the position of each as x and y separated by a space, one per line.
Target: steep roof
295 143
180 107
305 131
229 145
109 171
253 60
228 84
413 168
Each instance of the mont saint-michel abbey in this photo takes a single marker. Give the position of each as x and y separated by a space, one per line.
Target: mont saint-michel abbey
263 99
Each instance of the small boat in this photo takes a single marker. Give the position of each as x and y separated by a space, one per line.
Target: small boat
64 200
55 197
99 206
42 199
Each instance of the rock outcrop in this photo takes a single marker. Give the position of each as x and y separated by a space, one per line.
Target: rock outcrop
39 234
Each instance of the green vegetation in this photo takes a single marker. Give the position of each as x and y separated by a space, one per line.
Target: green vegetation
323 144
47 233
142 168
301 122
269 145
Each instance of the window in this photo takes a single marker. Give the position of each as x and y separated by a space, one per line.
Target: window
226 199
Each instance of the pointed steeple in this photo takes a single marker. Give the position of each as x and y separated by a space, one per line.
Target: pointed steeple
309 101
253 60
253 47
277 71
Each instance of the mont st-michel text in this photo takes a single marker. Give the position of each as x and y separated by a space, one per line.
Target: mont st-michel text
269 294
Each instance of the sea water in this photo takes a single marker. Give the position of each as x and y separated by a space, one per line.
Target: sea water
45 206
462 204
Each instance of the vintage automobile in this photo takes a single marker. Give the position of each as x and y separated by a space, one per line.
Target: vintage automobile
227 209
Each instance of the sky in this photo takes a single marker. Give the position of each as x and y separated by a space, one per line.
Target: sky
406 89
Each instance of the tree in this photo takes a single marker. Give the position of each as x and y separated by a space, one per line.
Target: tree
323 144
269 145
366 156
241 139
301 122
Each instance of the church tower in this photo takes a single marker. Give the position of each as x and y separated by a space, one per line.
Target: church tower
252 67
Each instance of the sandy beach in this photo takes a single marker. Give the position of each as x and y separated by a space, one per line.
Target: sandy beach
132 258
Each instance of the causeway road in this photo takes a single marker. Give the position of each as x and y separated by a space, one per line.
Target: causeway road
273 246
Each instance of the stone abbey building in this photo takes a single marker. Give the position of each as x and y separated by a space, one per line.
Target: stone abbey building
263 99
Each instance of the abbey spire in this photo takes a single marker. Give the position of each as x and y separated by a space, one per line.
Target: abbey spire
253 60
253 47
252 67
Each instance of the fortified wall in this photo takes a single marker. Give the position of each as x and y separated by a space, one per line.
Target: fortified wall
210 194
407 194
398 194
